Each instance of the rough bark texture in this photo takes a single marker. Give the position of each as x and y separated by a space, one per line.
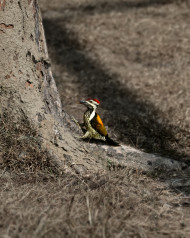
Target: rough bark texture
27 87
25 67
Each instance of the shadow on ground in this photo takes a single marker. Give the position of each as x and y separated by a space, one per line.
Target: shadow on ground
137 122
109 6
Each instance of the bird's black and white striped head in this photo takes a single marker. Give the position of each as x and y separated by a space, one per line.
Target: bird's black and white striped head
91 103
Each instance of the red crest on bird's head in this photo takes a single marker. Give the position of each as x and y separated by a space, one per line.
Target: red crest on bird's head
94 99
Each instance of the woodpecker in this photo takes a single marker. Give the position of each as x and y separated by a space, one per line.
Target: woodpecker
94 126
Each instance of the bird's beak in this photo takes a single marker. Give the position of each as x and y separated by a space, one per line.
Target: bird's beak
83 102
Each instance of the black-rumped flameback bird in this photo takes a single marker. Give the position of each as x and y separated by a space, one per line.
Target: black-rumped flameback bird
93 124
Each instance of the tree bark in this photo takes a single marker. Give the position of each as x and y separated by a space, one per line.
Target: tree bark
28 87
25 68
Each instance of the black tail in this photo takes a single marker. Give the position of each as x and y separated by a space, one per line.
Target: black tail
111 142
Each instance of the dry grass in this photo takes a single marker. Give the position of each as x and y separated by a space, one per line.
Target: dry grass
134 57
118 204
36 202
20 147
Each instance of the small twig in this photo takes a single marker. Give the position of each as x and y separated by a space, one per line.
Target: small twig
89 212
3 173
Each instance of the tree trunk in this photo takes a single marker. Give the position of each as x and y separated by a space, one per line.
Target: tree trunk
28 87
25 68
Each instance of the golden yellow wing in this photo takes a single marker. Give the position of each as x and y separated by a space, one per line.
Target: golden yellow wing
98 125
